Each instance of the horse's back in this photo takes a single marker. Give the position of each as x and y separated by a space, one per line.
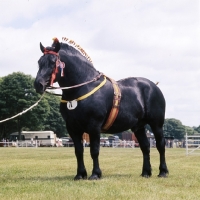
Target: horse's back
145 90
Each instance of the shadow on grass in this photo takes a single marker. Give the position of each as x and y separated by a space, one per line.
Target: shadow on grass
71 178
118 176
47 178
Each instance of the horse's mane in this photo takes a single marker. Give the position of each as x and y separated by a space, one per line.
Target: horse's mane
77 47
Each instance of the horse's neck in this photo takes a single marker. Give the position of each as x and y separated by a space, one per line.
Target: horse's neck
77 69
75 74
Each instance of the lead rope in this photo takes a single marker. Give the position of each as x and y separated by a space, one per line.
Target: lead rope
21 113
75 86
24 111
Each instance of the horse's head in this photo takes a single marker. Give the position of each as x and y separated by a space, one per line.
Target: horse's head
47 66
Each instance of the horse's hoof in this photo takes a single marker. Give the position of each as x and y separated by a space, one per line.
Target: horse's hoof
163 173
94 177
145 175
79 177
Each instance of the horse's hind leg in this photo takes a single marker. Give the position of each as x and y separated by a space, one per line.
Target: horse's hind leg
145 148
160 145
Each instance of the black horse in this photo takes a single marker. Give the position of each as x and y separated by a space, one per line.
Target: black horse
141 103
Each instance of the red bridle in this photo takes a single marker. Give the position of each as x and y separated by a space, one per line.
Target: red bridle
50 52
58 64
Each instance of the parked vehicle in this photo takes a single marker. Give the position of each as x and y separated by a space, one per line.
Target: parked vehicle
43 138
67 142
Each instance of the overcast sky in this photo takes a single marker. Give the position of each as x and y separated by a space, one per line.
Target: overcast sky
158 40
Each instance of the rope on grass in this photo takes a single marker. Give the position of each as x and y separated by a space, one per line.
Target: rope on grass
24 111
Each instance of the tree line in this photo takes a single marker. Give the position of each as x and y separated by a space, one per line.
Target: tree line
17 93
173 128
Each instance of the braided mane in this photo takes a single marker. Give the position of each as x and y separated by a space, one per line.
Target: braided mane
78 47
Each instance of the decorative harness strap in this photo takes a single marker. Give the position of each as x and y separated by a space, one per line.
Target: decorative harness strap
89 93
116 102
115 108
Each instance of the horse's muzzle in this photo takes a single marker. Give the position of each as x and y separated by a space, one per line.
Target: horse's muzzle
39 86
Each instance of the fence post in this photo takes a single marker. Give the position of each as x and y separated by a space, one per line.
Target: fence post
186 143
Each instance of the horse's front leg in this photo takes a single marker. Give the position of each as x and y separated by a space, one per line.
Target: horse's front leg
81 171
94 151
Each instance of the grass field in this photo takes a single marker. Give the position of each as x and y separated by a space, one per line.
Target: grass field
47 173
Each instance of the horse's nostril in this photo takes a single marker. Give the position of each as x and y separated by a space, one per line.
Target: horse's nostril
39 87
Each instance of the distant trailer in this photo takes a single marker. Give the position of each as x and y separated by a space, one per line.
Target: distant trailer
43 138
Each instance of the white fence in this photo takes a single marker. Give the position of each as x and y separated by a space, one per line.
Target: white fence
192 143
114 144
120 144
19 144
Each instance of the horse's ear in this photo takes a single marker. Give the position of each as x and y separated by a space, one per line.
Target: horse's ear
42 47
56 44
57 47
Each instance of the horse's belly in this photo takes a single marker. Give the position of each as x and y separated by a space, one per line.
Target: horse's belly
131 112
126 119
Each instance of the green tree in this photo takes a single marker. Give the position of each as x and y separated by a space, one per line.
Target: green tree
17 94
174 127
197 129
190 130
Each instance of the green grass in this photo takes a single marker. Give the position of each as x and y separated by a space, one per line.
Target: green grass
47 173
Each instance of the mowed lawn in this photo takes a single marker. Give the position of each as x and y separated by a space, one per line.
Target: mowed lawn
47 173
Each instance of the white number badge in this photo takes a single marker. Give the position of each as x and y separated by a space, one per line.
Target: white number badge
72 104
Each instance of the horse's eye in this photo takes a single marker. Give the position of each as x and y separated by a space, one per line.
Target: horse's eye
52 61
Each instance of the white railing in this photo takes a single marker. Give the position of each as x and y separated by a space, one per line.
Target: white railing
114 144
192 143
7 144
119 144
19 144
35 143
124 144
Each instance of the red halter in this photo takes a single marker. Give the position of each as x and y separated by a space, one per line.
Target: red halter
50 52
58 64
